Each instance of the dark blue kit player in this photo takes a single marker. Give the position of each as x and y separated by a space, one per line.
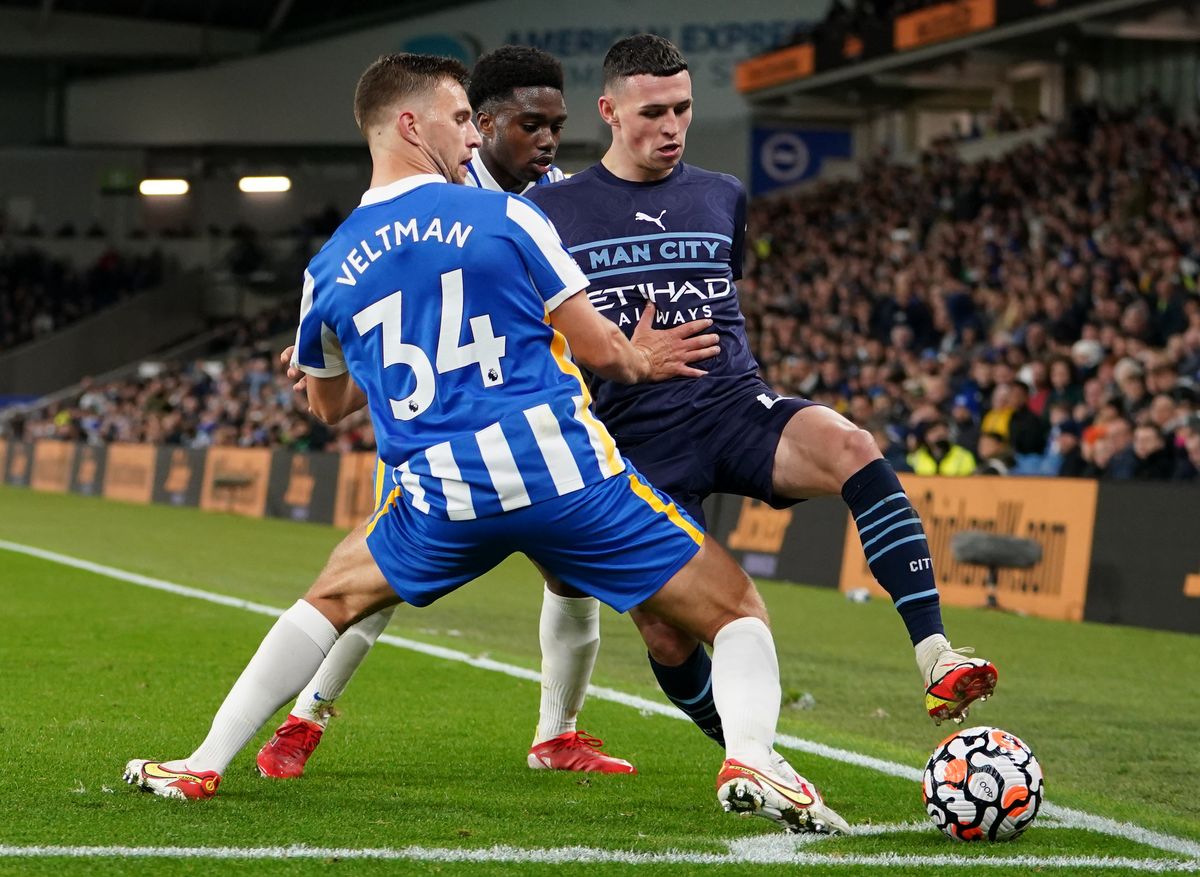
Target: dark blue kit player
644 226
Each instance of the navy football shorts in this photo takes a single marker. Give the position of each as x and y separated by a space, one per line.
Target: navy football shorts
619 540
726 448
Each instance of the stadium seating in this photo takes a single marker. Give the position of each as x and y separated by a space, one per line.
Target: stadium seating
1043 303
40 294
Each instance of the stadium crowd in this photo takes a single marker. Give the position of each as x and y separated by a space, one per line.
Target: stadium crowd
40 294
1035 314
234 395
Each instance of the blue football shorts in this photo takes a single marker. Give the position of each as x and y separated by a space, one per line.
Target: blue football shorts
619 540
727 446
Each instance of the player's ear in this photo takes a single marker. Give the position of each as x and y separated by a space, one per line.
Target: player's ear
405 125
486 124
608 110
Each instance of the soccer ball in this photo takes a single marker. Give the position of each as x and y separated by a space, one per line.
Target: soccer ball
982 784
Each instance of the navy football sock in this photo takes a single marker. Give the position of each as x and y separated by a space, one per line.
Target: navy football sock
895 546
689 687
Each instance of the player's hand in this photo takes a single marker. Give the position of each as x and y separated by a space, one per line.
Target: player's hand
668 351
294 373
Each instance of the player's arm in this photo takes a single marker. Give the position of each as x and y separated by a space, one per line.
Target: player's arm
651 355
315 362
329 399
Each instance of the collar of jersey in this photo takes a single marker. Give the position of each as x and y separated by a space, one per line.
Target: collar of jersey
486 180
612 179
379 194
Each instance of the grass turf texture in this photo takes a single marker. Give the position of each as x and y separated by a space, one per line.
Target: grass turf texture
432 753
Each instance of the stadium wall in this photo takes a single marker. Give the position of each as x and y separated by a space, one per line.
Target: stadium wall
1108 551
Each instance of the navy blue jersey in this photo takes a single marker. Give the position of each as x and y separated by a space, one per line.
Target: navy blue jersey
677 242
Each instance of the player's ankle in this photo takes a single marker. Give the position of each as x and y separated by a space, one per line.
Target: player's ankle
548 731
927 651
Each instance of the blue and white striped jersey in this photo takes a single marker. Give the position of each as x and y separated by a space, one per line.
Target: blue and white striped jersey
479 176
436 299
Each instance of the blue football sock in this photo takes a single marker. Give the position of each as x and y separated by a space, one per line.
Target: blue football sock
895 546
689 687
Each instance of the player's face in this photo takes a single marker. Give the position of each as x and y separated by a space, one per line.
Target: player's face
521 136
449 133
649 117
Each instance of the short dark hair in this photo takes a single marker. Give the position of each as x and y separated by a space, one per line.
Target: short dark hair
640 54
499 73
396 76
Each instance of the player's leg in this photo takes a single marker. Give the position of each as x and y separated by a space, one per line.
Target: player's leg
679 464
350 587
285 755
713 600
629 545
821 453
569 634
294 741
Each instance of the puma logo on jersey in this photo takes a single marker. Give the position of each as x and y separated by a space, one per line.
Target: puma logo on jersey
645 217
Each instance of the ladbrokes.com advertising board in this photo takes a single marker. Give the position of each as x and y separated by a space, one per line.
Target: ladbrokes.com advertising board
1057 513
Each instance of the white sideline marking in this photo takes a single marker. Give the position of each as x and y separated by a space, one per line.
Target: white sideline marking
1066 816
779 850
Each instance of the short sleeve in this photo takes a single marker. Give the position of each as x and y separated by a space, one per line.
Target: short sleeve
318 351
551 268
737 250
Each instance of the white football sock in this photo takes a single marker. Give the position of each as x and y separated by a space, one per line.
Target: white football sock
745 687
289 655
338 667
569 631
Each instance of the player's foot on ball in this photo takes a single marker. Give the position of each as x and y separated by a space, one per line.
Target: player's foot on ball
575 750
171 782
955 681
283 756
793 803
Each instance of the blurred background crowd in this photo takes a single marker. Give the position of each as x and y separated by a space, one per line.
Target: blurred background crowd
1034 314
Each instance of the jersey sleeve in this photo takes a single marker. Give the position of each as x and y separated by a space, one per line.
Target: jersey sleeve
318 351
737 250
551 268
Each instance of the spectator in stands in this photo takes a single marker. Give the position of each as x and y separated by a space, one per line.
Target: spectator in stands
965 422
1147 459
936 454
1187 467
1065 457
1026 432
1122 465
995 456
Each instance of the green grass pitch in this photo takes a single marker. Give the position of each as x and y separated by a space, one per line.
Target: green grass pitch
430 753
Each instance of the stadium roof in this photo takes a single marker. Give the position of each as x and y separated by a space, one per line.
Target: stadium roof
908 51
126 34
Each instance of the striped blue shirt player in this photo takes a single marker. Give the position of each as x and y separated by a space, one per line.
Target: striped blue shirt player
479 177
436 298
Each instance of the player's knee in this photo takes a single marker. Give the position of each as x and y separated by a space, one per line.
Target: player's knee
336 609
858 449
667 645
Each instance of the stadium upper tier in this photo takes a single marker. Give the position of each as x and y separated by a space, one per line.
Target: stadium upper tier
40 294
1039 310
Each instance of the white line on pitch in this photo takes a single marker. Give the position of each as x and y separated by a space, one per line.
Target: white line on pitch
1066 816
777 850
